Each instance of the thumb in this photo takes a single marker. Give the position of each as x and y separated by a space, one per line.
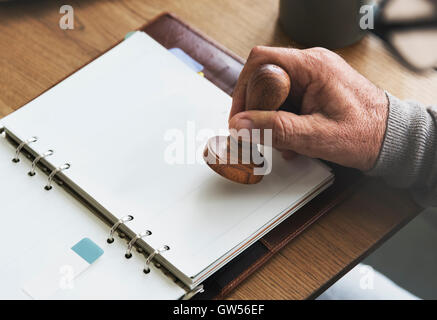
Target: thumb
288 130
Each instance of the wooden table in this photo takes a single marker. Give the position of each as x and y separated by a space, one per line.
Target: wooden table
35 54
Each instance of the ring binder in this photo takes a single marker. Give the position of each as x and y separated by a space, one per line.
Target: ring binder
37 159
20 146
54 173
192 293
152 255
32 155
141 235
116 225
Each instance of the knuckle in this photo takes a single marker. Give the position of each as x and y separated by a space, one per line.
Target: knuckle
256 51
321 51
327 63
282 129
323 55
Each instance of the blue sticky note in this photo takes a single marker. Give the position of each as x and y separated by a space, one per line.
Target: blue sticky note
87 250
193 64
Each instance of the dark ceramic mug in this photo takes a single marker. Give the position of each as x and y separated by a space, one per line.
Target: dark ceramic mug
326 23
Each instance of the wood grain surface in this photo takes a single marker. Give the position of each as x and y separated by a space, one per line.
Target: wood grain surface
35 54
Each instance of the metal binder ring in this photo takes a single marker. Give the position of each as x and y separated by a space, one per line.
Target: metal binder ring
152 255
37 159
141 235
54 173
116 225
192 293
20 146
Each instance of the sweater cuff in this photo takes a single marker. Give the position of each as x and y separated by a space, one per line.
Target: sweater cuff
406 153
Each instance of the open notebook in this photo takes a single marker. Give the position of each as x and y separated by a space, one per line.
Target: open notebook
119 122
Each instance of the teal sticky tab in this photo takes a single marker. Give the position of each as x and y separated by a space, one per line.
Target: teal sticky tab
87 250
128 34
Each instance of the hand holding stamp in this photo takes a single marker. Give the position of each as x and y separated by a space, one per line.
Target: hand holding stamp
267 89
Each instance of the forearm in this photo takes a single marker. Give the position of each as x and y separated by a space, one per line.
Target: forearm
408 157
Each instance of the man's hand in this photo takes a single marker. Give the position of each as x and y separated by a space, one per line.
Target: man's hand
342 114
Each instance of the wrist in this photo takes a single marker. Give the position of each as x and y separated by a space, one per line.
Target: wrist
408 139
379 128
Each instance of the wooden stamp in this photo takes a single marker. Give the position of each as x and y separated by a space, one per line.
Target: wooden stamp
267 89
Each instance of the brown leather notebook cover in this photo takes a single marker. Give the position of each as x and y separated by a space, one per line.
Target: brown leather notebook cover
222 67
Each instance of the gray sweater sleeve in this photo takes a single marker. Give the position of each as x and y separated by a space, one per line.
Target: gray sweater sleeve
408 157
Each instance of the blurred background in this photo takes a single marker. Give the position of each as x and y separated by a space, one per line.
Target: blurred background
409 258
409 28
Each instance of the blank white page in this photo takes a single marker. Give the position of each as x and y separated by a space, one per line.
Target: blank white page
38 225
111 121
